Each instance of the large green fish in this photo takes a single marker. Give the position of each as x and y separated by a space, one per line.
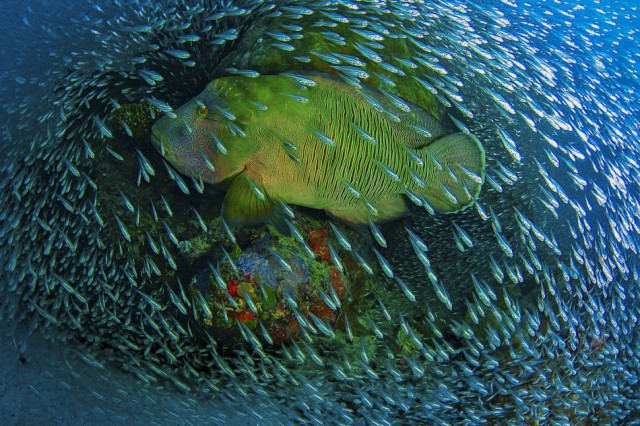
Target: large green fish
313 140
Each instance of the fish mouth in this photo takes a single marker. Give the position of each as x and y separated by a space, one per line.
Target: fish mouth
157 141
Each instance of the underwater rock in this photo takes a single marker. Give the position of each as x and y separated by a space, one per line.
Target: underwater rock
134 120
273 289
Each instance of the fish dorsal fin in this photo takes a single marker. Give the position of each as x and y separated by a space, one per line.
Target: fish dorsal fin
420 128
456 179
246 203
417 128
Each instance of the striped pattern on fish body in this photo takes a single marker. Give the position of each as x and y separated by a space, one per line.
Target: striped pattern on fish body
313 153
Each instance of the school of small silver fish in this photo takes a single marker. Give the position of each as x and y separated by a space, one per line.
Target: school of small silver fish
520 309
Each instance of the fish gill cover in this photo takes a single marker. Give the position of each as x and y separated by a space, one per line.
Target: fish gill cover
521 307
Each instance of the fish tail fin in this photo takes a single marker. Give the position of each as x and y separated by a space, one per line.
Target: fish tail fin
458 164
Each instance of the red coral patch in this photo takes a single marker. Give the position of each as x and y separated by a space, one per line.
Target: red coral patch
244 316
317 240
337 282
232 287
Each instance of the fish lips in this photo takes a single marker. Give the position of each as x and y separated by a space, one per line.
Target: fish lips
159 140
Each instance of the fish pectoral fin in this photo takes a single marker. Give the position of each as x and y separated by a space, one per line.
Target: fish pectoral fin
386 208
246 203
459 174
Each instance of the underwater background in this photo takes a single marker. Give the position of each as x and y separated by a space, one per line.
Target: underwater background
127 297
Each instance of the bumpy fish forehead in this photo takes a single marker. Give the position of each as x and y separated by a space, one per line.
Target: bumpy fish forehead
216 92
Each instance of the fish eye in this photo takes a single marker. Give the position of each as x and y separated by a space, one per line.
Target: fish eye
202 110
